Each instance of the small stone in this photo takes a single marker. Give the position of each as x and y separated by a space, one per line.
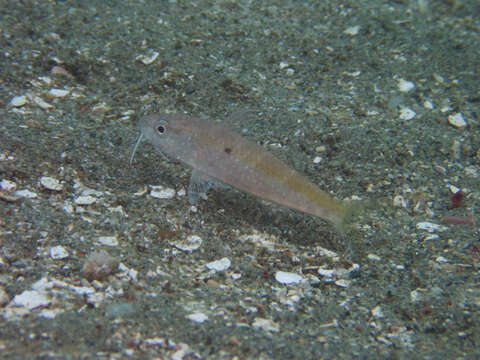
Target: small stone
161 192
405 85
31 299
85 200
148 59
430 227
7 185
99 265
407 113
197 317
58 253
287 277
18 101
191 243
107 240
58 93
317 160
42 103
266 324
352 30
457 120
51 183
377 312
219 265
26 194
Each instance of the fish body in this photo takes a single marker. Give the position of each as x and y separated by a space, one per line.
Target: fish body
213 151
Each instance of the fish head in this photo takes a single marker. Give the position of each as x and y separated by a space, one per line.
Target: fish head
169 133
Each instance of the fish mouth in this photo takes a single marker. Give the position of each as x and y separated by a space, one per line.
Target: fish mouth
135 147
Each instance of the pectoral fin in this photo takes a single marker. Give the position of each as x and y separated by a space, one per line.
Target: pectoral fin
200 183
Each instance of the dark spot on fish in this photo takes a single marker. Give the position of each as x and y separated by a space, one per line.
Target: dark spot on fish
228 150
161 129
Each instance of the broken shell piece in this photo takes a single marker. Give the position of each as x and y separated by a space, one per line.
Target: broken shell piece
266 324
51 183
197 317
18 101
148 59
58 253
457 120
58 93
85 200
191 243
7 185
219 265
405 85
31 299
284 277
42 103
161 192
107 240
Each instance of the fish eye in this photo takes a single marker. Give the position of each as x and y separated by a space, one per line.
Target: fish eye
161 128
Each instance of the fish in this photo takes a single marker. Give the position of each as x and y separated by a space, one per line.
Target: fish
216 153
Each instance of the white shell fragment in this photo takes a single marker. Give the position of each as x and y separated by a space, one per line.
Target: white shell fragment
31 299
405 85
457 120
162 192
26 194
58 93
284 277
42 103
85 200
107 240
219 265
266 324
58 253
430 227
148 59
191 243
407 113
51 183
197 317
352 30
18 101
7 185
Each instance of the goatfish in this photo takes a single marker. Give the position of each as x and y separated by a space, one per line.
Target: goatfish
216 153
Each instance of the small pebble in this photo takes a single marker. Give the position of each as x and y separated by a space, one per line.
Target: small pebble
99 265
7 185
197 317
161 192
58 93
191 243
407 113
430 227
31 299
405 85
26 194
287 277
107 240
266 324
352 30
457 120
219 265
85 200
58 253
18 101
42 103
51 183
